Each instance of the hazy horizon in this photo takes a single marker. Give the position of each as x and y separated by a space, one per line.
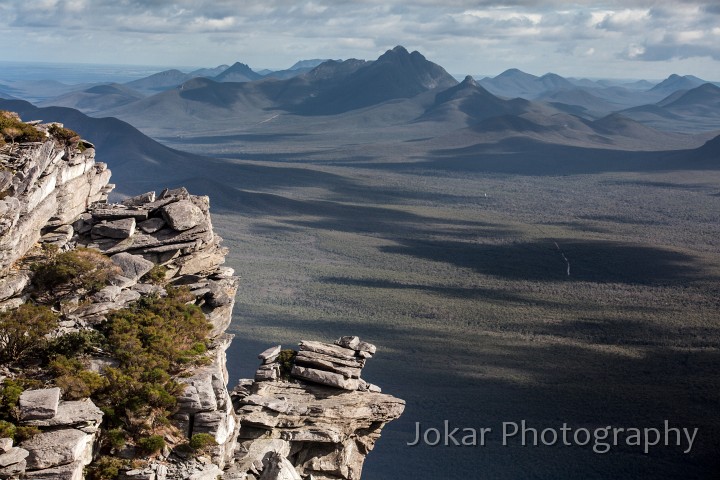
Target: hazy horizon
127 72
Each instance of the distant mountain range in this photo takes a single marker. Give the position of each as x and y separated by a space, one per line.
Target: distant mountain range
399 97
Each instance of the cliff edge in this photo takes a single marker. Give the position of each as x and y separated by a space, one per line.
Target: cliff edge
112 339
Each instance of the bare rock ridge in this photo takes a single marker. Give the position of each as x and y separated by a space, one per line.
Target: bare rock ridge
308 414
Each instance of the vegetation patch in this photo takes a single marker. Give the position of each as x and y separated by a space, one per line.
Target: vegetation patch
13 130
81 270
23 330
286 360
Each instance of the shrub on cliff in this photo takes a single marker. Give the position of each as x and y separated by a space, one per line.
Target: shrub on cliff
105 468
151 445
152 339
15 130
23 330
65 136
74 379
201 441
81 269
158 332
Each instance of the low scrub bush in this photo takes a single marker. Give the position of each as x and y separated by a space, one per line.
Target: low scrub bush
201 441
13 130
74 380
23 330
151 445
82 269
105 468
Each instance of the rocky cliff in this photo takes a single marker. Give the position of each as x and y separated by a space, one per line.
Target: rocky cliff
112 341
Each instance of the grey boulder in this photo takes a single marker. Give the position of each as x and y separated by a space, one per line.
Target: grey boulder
39 404
182 215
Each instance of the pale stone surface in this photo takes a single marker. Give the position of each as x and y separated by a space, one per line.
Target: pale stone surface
210 472
270 354
348 342
55 448
82 414
123 228
182 215
13 456
13 471
328 432
152 225
279 468
330 422
5 444
324 378
328 349
71 471
139 200
39 404
132 266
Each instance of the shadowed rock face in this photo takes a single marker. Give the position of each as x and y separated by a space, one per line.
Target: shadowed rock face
322 420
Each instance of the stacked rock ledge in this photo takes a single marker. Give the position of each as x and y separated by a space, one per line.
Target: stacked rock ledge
307 414
52 193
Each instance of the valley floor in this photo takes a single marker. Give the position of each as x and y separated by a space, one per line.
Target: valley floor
460 278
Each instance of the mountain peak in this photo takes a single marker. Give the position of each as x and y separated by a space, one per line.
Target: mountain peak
238 72
469 81
515 73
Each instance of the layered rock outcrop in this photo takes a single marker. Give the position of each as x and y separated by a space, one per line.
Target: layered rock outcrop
307 414
43 188
312 416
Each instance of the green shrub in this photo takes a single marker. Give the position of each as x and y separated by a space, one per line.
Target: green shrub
80 269
156 275
64 135
201 441
286 360
105 468
157 333
23 330
25 433
116 437
9 397
76 343
14 130
151 445
7 429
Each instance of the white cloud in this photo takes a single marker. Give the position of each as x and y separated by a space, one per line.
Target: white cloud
602 36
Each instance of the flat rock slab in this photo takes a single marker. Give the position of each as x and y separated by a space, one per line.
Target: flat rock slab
328 349
39 404
138 214
120 229
270 354
152 225
14 470
5 444
72 471
56 448
329 379
139 200
182 215
132 266
13 456
79 412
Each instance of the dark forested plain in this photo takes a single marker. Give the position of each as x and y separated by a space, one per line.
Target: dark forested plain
513 258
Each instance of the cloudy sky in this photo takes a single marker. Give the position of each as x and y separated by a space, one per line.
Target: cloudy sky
612 38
